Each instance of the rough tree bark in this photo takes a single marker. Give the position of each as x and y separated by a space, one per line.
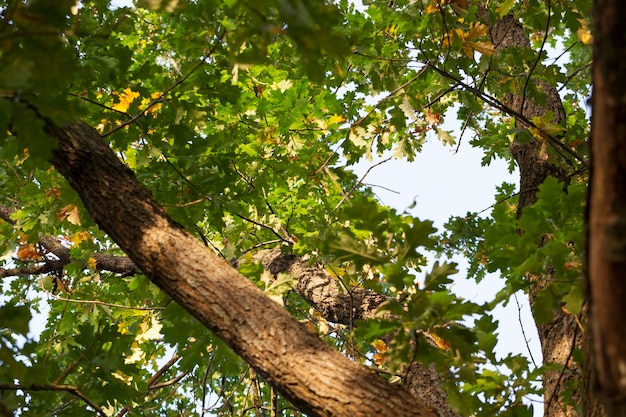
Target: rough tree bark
324 293
560 335
607 204
321 290
311 375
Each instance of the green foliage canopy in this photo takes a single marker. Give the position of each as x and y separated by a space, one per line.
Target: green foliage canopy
243 119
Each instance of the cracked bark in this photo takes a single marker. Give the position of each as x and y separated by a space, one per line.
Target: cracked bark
315 285
324 293
560 335
606 218
310 374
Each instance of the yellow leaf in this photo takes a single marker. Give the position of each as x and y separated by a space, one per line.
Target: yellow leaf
461 34
467 48
477 30
546 126
485 48
335 271
379 359
122 377
447 39
442 344
583 33
126 98
381 348
69 213
337 118
91 263
80 237
379 345
146 102
432 8
553 129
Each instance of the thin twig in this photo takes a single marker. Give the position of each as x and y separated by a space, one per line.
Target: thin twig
264 226
390 96
102 303
204 383
170 382
360 182
543 44
507 110
521 324
152 381
382 187
575 73
104 106
502 200
55 387
75 363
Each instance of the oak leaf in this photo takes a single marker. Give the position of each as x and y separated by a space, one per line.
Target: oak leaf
69 213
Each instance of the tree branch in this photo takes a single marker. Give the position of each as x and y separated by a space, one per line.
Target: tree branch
55 387
308 372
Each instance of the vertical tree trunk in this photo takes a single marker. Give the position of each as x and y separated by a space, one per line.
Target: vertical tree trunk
560 335
607 204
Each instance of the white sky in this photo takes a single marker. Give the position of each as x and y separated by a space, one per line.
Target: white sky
451 184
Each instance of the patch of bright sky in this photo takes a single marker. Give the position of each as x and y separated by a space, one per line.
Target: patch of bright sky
446 183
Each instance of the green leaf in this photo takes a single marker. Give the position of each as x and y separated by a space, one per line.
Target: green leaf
439 276
544 305
575 297
446 137
15 318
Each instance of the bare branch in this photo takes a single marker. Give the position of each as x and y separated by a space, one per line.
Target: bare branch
168 383
349 193
117 264
55 387
55 247
102 303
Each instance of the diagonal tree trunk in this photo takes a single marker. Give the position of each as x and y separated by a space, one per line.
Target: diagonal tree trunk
323 292
311 375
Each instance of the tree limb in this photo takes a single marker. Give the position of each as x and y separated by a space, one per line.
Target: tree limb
55 387
309 373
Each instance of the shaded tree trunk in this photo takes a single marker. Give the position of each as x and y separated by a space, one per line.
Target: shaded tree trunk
607 204
560 336
310 374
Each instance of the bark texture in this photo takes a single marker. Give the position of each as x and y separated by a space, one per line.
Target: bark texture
607 204
558 337
323 292
311 375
